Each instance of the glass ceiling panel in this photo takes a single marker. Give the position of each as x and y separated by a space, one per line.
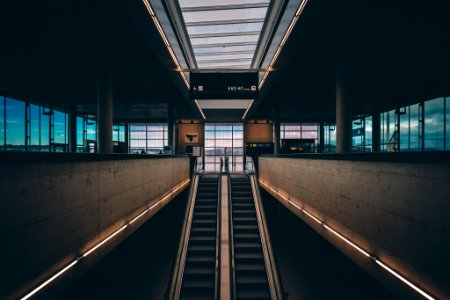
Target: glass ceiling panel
222 57
229 28
224 15
224 33
197 3
222 50
225 39
223 64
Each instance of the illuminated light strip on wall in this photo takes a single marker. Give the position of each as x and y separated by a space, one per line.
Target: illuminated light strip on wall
200 109
165 40
104 241
283 41
248 108
349 242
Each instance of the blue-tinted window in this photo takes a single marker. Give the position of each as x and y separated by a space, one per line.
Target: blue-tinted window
368 132
447 122
35 134
45 129
414 128
434 124
15 125
404 128
59 127
91 129
2 122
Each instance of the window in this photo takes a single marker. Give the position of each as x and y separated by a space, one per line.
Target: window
221 136
150 138
306 136
434 124
15 125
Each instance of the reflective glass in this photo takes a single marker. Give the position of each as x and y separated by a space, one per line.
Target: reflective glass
15 125
434 124
91 128
404 129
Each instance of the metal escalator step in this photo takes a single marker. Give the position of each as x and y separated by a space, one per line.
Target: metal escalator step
199 284
199 271
252 294
203 229
247 245
248 255
201 259
249 236
251 280
250 267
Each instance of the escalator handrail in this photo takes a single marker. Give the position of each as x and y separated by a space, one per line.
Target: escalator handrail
231 237
272 273
178 270
218 238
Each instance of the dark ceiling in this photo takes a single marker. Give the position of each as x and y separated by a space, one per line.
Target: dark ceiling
396 52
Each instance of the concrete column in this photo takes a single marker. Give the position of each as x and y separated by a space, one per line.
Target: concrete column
321 138
104 106
72 129
276 130
170 124
343 111
376 132
127 140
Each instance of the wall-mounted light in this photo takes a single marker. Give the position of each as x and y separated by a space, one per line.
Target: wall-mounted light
199 108
248 108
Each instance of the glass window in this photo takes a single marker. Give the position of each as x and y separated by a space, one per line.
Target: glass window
447 122
59 131
414 128
91 129
434 124
15 125
150 138
368 133
404 129
2 122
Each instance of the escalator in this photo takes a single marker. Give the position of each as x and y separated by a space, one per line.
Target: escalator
251 278
197 278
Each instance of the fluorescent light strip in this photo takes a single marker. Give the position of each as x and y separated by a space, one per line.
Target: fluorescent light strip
165 40
200 109
48 281
248 108
283 41
403 279
353 245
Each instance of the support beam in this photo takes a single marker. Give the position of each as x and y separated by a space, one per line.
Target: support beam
72 129
343 111
170 126
376 132
104 106
321 138
276 130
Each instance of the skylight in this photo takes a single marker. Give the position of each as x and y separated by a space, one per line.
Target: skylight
224 33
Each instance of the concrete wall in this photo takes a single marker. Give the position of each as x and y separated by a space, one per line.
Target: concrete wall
51 212
258 132
397 211
185 128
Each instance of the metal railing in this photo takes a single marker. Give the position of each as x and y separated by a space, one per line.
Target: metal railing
177 273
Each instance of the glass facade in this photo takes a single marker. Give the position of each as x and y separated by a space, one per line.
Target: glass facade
307 135
149 138
221 138
329 138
